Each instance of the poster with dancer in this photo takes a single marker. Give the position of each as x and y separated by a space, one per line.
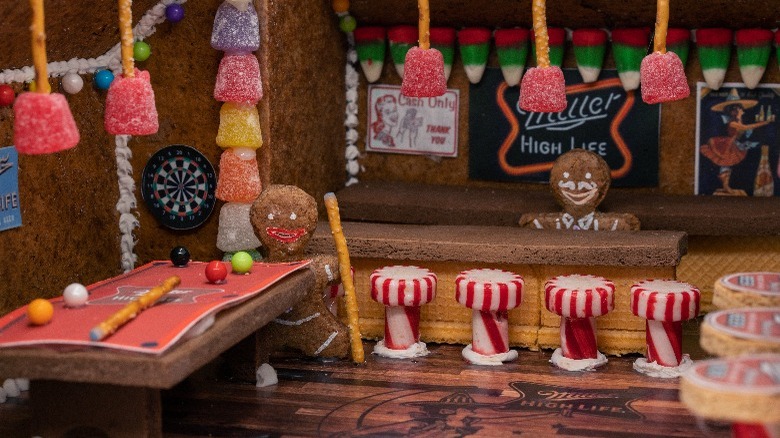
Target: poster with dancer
737 146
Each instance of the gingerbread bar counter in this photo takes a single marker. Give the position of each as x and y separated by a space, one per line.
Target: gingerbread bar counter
535 206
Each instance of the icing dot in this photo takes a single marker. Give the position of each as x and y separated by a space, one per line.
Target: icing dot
565 174
293 216
270 216
587 175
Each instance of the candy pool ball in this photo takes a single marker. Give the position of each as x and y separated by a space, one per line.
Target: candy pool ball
180 256
241 262
75 295
216 271
40 311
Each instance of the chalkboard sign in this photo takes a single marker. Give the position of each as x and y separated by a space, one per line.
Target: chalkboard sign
507 144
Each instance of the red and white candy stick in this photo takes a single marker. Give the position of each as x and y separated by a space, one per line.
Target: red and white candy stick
490 293
332 293
664 304
402 289
579 299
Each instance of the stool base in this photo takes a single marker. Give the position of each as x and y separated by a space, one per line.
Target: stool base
418 349
654 369
491 360
563 362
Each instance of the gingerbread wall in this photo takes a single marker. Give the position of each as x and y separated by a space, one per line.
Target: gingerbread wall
68 200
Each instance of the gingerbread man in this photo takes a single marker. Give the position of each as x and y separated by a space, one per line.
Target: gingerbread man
579 180
284 218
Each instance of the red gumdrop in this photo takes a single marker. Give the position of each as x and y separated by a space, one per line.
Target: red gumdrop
216 271
543 90
424 73
663 78
43 124
130 107
238 79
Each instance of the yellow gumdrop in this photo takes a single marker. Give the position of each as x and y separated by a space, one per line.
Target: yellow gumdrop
40 311
340 6
239 126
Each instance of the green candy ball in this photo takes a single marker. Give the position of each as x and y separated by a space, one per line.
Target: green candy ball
347 23
241 262
141 51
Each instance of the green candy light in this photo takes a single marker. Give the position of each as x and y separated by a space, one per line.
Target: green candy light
241 262
347 24
141 51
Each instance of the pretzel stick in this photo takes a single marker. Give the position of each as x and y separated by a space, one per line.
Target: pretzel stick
126 35
39 48
125 314
661 26
331 204
540 34
424 24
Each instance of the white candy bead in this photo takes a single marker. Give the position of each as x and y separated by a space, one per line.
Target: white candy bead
76 295
72 83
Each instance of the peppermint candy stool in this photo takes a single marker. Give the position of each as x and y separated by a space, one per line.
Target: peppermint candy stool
664 304
490 293
402 289
578 299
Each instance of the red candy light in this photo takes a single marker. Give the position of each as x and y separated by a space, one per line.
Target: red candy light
216 271
7 95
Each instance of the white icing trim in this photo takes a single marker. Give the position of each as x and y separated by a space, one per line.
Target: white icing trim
418 349
653 369
326 343
475 358
298 322
351 82
563 362
126 203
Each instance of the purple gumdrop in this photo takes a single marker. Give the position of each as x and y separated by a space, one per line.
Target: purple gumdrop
174 12
235 30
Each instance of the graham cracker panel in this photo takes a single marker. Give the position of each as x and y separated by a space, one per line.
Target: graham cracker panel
710 258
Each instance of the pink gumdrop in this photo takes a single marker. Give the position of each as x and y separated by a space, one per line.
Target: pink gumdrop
239 179
238 79
424 73
543 90
130 107
43 124
663 78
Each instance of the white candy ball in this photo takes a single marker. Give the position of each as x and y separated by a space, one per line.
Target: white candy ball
75 295
72 83
245 153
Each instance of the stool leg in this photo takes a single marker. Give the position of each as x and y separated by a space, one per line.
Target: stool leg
490 332
664 342
578 338
402 327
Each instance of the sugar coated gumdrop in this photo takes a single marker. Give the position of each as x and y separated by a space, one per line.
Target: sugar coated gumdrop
663 78
7 95
141 51
130 107
239 180
75 295
239 126
103 79
543 90
235 30
43 124
72 83
180 256
174 12
241 262
216 271
424 73
238 79
235 232
40 311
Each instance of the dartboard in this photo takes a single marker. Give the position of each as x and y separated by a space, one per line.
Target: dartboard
178 186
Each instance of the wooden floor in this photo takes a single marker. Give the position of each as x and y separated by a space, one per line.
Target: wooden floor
439 395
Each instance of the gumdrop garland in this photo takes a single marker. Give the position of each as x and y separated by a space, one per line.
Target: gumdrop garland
238 84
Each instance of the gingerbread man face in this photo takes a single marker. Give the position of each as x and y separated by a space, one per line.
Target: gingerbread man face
579 179
283 219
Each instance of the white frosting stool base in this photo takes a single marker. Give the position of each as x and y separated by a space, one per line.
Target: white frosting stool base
653 369
563 362
417 349
494 359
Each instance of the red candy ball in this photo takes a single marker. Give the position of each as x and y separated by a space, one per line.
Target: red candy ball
7 95
216 271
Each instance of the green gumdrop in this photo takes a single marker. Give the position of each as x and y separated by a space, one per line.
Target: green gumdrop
241 262
347 23
141 51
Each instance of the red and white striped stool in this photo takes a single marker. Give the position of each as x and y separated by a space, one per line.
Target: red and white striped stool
332 293
664 304
490 293
578 299
402 289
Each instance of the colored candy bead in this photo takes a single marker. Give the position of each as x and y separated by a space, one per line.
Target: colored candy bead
239 126
235 231
130 107
174 12
180 256
72 83
103 79
216 271
43 124
141 51
347 23
241 262
75 295
239 181
340 6
235 30
238 79
7 95
40 311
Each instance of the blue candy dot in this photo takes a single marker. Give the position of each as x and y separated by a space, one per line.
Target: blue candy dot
174 12
103 79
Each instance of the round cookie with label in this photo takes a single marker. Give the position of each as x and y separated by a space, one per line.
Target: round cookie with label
740 390
747 289
737 332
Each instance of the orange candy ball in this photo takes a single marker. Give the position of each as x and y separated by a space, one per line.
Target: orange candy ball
40 311
340 6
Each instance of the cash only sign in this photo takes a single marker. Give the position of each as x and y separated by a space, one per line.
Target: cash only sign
509 144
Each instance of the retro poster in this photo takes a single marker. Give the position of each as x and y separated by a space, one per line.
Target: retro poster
508 144
412 125
737 145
